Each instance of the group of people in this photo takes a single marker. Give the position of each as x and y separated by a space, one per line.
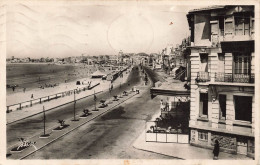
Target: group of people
14 87
48 86
164 106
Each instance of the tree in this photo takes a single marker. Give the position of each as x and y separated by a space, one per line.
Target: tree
115 98
102 102
61 122
86 112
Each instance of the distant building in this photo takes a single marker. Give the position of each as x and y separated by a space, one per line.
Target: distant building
55 60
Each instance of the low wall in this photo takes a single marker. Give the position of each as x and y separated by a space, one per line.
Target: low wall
167 138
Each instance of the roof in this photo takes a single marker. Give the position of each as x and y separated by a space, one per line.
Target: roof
98 73
207 8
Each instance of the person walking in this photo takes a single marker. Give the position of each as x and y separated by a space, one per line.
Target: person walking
161 105
32 96
216 150
24 90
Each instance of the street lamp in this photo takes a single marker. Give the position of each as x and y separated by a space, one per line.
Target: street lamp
44 120
74 109
110 90
95 99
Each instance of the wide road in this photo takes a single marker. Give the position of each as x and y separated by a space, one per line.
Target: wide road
34 125
110 136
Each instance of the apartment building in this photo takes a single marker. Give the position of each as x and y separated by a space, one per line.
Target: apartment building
222 78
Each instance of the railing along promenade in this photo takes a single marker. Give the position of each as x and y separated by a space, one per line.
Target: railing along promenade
30 103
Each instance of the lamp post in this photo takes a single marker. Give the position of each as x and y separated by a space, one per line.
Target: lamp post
74 109
44 131
110 90
95 99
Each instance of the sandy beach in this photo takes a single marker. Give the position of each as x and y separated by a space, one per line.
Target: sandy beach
32 80
32 76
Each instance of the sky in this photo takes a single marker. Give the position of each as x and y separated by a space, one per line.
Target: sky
64 29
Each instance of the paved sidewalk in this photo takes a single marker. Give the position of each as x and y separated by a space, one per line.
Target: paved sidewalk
182 151
38 108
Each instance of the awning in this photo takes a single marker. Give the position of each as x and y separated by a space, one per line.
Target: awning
165 92
238 46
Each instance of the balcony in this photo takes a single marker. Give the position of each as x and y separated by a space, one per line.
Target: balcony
236 38
202 77
220 40
239 78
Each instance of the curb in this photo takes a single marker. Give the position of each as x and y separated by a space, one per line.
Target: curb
75 128
157 153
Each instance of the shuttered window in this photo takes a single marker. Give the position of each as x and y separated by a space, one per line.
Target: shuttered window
229 25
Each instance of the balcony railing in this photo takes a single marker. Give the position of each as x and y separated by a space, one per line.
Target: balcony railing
239 78
203 77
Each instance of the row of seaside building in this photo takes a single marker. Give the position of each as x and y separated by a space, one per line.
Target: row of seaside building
119 59
219 62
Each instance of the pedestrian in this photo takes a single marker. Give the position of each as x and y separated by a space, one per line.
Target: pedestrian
24 90
32 96
13 88
216 150
161 105
167 106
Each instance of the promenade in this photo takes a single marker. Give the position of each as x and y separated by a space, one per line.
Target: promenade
38 108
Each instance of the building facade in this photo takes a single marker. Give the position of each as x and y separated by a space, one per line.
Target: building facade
222 78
